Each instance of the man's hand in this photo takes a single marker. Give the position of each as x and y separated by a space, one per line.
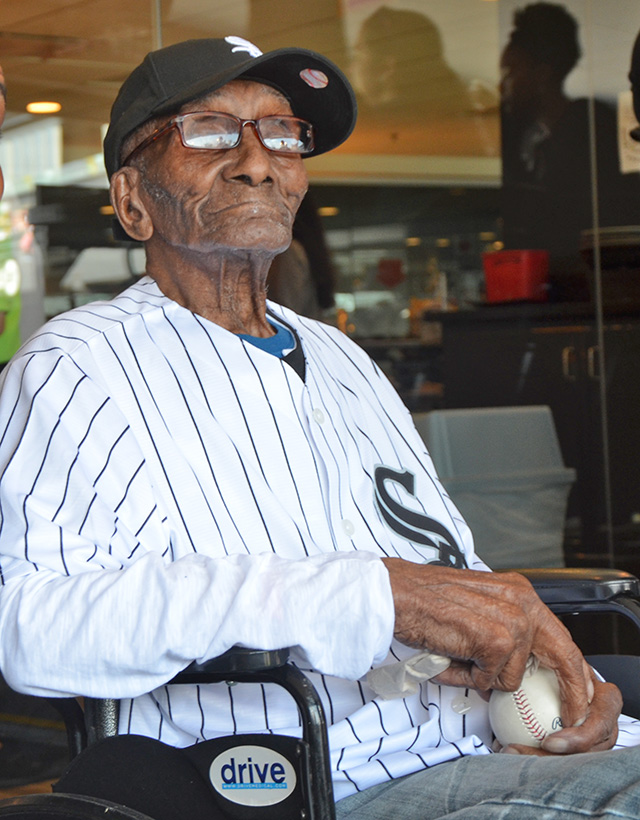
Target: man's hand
490 624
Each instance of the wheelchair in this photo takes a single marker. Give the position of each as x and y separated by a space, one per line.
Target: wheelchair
271 777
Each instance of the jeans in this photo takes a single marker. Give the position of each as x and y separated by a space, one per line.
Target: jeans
508 787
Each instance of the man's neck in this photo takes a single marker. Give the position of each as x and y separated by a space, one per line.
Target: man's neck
227 289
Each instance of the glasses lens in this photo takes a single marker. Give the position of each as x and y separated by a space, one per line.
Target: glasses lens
286 135
213 131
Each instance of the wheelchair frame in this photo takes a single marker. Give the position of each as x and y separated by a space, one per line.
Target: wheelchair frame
565 591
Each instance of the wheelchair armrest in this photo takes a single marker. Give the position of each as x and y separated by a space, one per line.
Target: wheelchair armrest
236 661
566 585
74 722
102 715
572 590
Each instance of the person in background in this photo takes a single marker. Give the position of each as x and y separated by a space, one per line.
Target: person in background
3 108
9 273
20 762
303 278
21 279
546 150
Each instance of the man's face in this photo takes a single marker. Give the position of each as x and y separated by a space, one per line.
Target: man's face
244 198
519 84
3 105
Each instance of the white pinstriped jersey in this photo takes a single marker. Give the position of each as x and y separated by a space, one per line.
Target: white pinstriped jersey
168 490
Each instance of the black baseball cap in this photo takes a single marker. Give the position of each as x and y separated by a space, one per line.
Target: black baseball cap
634 76
168 78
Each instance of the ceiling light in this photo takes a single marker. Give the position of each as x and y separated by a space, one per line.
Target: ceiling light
413 241
43 107
328 210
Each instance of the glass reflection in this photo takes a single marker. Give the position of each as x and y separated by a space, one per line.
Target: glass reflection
411 99
547 145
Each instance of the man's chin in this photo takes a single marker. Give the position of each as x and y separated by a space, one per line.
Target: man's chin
267 249
254 235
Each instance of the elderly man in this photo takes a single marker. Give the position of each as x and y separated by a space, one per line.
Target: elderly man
191 466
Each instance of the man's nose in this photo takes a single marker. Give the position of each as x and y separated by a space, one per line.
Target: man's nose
252 160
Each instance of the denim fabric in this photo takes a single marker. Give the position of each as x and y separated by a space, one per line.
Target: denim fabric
509 787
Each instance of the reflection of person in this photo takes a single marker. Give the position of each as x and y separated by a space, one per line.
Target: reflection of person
546 145
303 277
394 48
408 91
193 467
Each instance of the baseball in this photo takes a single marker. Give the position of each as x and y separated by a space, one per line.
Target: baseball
529 714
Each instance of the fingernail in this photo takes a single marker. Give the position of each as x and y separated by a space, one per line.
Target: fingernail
557 745
509 750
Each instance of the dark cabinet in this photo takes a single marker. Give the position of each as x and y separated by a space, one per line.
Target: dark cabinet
622 359
522 356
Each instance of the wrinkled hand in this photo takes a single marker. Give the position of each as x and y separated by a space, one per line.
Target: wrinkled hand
598 732
490 624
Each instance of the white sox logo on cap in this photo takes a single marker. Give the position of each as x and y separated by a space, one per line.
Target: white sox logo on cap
313 77
240 44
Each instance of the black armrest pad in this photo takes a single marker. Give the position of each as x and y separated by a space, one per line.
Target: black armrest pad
566 585
237 660
73 717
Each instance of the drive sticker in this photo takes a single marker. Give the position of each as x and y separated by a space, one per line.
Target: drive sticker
252 776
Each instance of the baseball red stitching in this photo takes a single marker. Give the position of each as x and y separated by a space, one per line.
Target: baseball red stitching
527 716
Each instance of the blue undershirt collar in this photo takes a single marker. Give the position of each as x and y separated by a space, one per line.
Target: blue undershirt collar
279 345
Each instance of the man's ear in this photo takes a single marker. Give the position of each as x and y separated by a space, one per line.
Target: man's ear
128 205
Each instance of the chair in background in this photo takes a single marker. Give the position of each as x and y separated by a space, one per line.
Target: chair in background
503 468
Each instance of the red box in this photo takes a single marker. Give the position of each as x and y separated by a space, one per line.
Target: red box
516 276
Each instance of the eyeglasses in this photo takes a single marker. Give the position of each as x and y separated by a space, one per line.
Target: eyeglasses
213 131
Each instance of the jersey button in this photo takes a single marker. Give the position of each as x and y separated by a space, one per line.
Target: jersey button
318 416
461 705
348 528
